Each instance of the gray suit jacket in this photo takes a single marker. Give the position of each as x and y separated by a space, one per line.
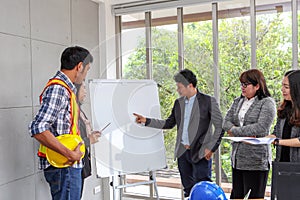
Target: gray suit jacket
294 151
257 123
205 113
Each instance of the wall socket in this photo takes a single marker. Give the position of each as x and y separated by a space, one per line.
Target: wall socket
97 189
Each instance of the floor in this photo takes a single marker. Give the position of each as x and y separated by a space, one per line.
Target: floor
169 187
165 193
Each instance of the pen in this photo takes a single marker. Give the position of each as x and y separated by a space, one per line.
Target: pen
105 126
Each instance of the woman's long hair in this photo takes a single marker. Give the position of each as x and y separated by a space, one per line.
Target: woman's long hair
78 86
294 81
255 76
285 108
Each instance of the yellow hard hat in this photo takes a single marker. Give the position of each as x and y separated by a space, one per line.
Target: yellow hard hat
68 140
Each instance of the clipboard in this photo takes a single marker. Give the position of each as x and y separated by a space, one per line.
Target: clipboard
247 195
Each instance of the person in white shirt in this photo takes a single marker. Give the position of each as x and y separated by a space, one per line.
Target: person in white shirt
194 114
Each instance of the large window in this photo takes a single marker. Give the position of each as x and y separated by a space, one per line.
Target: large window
273 53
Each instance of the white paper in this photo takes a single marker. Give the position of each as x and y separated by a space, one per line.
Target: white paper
251 140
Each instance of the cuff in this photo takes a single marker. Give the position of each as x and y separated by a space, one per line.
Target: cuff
147 121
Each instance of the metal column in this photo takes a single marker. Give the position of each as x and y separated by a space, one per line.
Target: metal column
253 34
148 45
295 33
180 38
118 39
217 157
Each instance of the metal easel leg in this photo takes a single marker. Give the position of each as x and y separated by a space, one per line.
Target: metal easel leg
151 195
112 184
120 190
117 195
182 193
119 185
154 184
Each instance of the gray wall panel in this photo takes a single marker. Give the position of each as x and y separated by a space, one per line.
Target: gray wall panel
17 14
92 182
33 34
18 162
15 71
84 24
41 187
95 69
51 21
22 189
35 146
85 31
45 63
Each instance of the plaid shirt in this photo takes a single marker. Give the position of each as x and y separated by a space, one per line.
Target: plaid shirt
54 114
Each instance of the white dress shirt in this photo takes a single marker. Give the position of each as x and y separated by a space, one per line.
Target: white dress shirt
245 107
187 114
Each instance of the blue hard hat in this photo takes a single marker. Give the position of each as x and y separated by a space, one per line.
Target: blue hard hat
206 190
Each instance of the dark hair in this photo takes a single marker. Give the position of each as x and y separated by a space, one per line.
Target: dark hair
285 108
255 76
71 56
294 81
186 77
78 86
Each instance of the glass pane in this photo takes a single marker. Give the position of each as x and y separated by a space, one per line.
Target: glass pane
234 57
133 46
165 65
198 46
274 43
166 16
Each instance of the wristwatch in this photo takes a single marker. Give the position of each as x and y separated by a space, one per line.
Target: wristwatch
276 142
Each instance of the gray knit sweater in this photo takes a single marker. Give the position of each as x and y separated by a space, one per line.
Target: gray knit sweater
257 122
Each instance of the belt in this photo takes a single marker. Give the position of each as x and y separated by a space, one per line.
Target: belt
187 146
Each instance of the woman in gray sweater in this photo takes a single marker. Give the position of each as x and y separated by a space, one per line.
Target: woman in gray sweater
250 115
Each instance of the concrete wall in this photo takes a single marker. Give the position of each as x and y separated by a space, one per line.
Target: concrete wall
33 33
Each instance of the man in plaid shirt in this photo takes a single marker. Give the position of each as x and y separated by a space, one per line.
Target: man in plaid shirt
54 119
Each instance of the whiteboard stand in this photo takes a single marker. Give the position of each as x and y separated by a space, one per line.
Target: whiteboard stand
118 185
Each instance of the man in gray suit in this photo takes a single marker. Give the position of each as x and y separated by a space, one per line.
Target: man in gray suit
193 113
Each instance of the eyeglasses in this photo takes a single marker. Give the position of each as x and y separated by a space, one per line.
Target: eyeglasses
244 85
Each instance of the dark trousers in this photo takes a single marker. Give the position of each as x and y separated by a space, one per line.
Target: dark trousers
244 180
192 173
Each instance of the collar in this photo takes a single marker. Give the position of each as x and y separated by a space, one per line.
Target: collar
66 79
192 98
249 100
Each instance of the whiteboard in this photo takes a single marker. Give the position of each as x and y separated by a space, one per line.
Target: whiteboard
125 146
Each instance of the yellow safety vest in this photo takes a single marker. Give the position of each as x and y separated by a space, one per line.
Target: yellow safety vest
74 112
